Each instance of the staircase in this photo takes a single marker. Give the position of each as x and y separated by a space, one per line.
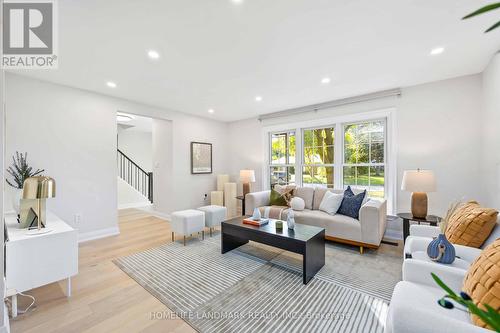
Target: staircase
134 175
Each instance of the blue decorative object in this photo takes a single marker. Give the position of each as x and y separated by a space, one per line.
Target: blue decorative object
441 250
351 204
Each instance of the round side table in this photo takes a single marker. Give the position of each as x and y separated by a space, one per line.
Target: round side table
407 217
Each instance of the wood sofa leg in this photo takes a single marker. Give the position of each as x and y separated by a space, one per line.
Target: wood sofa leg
173 239
184 240
361 250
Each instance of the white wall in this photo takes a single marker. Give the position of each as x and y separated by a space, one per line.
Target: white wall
247 151
138 146
72 134
437 127
490 130
163 162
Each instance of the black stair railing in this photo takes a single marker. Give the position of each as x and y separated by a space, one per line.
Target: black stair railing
134 175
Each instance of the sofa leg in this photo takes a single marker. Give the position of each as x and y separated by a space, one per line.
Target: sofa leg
184 241
173 237
210 231
361 250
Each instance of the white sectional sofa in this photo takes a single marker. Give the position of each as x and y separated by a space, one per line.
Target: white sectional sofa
365 232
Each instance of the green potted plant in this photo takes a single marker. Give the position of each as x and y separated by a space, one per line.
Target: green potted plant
19 172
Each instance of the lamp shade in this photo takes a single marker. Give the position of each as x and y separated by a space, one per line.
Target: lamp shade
247 176
418 181
39 187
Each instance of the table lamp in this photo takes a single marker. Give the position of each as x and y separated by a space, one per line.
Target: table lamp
247 177
419 182
39 188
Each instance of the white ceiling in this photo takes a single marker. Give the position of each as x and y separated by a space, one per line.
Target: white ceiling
220 55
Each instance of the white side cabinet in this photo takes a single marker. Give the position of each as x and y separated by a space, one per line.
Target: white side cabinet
32 261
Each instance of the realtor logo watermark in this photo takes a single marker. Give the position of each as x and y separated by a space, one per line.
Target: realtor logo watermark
29 34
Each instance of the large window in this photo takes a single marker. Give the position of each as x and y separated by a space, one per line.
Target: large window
319 157
356 158
364 157
282 168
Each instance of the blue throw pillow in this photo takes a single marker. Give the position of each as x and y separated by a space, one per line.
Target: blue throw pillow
348 192
351 204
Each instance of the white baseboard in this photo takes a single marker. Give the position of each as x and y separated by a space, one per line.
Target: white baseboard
159 215
97 234
135 205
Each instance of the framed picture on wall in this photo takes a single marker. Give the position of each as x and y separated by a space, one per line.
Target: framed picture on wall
201 158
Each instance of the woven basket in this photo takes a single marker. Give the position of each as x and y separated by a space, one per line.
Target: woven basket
482 281
471 224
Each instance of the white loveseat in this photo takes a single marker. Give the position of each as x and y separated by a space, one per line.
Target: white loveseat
365 232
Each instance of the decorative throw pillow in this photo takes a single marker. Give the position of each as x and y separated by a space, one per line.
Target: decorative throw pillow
297 204
482 282
471 224
286 192
348 192
277 199
351 203
331 202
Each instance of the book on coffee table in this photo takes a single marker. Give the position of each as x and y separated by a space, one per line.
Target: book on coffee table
257 222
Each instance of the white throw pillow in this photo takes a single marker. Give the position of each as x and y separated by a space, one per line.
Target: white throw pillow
297 203
331 202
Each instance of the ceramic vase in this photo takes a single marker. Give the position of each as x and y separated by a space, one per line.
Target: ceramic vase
256 214
16 200
290 220
441 250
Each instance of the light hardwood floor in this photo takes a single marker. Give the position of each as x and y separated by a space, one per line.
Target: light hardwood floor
104 299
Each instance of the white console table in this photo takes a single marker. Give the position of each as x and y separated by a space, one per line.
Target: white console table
32 261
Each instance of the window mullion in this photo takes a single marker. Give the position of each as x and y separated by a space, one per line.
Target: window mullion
338 156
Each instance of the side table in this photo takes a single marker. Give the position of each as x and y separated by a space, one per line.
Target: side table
407 217
242 198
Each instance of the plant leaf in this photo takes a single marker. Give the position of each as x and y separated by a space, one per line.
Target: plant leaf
443 285
494 26
482 10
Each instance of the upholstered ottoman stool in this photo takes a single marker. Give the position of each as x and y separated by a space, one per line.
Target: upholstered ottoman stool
214 215
187 222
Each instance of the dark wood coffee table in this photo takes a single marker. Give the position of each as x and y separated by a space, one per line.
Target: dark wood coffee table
304 239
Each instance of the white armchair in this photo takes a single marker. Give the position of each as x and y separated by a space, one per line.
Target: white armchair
414 306
416 250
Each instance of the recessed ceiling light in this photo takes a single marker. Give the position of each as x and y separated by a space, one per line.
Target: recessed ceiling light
211 111
153 54
123 118
237 1
437 50
325 80
258 98
111 84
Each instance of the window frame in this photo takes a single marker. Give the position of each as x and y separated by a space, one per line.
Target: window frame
287 154
303 164
369 164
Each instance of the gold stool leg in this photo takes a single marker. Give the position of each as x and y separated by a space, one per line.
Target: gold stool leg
203 235
210 231
173 239
361 250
